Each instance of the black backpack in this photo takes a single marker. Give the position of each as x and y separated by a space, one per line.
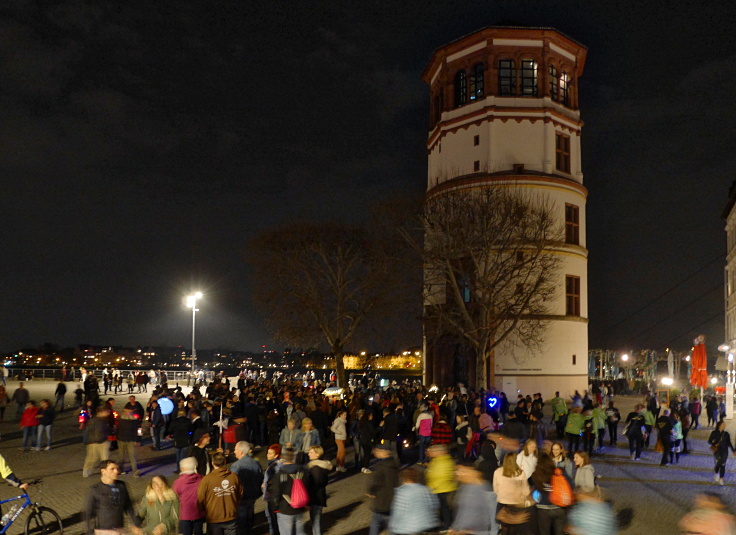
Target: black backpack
588 427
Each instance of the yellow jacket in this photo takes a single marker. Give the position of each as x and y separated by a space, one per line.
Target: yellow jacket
440 475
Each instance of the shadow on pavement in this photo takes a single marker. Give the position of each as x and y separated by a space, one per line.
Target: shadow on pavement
331 517
625 517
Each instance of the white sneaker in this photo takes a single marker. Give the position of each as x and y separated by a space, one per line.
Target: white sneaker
716 478
720 482
367 471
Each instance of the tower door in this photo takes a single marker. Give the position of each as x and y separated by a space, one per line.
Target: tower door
509 387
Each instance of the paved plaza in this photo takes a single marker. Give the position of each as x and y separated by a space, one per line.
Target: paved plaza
655 497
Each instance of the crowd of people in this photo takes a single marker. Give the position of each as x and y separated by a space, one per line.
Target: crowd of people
483 464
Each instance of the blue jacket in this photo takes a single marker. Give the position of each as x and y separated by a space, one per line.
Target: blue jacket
250 474
476 510
414 510
313 436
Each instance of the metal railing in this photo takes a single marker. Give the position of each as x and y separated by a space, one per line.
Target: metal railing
31 374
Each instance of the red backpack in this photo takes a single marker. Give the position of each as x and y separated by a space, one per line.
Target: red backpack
561 494
299 497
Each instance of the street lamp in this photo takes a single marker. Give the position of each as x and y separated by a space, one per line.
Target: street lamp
192 303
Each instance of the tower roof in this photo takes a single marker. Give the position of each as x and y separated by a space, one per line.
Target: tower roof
502 28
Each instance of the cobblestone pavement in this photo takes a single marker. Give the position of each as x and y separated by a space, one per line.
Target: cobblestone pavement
655 497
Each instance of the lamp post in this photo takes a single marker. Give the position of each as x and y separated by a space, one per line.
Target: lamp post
192 303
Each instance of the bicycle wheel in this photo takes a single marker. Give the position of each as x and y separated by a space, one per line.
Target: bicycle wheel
44 521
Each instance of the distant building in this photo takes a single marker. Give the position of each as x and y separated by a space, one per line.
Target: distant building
504 113
729 215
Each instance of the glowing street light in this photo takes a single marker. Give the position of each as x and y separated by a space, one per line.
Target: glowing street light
714 380
192 303
624 357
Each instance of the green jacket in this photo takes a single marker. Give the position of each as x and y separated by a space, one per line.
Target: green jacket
648 417
677 430
155 513
574 423
559 407
599 416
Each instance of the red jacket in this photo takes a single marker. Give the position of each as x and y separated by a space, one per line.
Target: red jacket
186 486
441 433
28 419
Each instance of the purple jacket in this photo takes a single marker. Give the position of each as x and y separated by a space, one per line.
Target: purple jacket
185 487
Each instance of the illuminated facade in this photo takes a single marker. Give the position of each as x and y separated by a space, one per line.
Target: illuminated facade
504 113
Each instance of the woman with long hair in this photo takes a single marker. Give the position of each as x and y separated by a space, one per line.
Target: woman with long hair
159 508
551 518
560 458
584 473
341 435
515 506
310 436
720 443
527 459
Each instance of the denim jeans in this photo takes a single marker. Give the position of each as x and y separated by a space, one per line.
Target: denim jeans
290 524
29 436
424 442
273 525
222 528
191 527
358 452
157 435
245 516
59 403
379 521
180 454
41 429
315 516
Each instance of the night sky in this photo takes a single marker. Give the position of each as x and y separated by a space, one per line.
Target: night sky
143 143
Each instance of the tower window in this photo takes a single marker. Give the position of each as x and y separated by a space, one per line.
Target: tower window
562 148
565 89
476 141
463 285
529 76
553 83
461 89
476 165
572 224
572 295
476 82
506 77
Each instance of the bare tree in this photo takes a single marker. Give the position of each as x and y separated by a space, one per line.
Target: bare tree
320 282
490 268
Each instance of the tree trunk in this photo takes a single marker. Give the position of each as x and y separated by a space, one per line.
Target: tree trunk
480 369
340 367
491 359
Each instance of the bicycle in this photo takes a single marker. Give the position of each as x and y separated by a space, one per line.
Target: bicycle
41 521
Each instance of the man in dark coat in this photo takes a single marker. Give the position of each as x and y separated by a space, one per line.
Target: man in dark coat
384 480
250 474
108 501
181 432
128 426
